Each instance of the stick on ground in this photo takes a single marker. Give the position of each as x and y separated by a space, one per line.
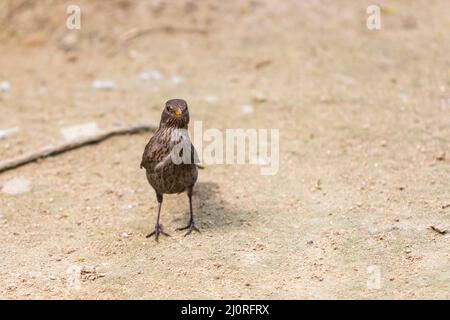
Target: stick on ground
71 145
135 33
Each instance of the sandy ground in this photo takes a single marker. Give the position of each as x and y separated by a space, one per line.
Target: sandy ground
364 119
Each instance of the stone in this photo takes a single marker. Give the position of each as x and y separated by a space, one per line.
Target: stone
104 84
247 109
5 86
79 131
17 186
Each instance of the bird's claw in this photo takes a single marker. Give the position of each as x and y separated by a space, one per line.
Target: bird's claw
158 230
190 227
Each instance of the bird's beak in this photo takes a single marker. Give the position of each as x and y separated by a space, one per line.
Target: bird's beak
178 112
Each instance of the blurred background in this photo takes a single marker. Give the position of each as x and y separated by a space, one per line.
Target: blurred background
364 119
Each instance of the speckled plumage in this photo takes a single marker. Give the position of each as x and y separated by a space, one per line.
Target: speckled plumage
163 174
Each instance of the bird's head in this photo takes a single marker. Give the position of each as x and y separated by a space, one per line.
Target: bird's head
175 114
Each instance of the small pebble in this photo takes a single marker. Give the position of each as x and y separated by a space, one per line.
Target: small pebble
7 132
324 99
104 84
176 79
211 99
404 98
259 97
16 186
247 109
5 86
69 41
151 74
79 131
441 157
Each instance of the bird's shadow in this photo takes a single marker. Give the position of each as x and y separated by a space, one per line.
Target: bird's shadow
212 211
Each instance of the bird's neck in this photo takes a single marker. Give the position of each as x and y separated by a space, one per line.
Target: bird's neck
173 125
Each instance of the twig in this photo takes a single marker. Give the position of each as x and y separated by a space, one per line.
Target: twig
135 33
263 64
71 145
440 229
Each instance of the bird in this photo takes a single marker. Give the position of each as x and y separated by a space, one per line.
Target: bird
171 161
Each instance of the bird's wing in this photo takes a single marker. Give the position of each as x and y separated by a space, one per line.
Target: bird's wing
152 155
167 159
157 154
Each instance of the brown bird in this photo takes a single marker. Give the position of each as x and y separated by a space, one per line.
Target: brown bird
170 160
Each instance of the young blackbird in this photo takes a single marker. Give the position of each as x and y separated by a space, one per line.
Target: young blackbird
170 160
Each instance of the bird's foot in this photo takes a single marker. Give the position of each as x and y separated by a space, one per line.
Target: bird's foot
158 230
190 227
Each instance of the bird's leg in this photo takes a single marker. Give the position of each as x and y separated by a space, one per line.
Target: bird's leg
158 227
191 226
